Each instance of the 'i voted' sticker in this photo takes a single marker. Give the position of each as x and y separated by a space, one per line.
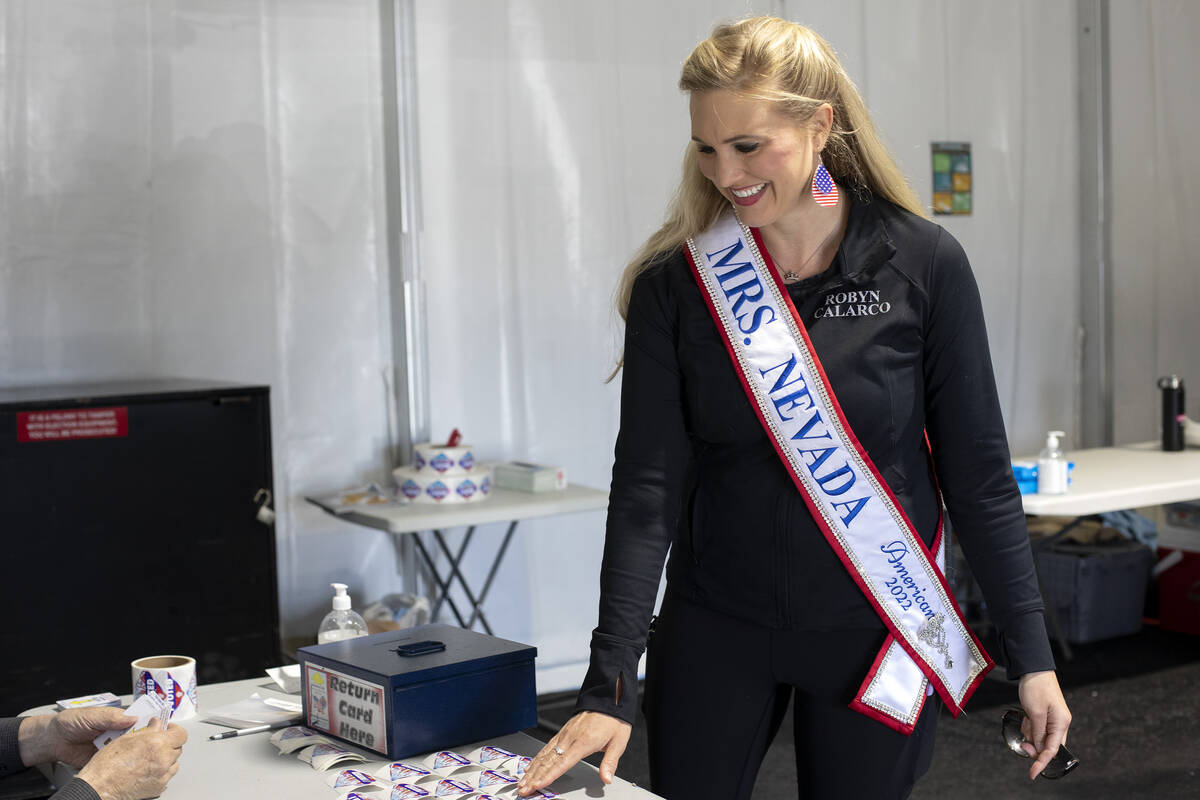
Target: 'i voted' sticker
449 759
352 777
489 777
327 750
450 786
487 754
398 771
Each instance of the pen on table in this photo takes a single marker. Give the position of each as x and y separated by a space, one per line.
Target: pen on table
255 729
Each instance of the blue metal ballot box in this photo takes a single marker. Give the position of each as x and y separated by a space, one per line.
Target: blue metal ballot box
418 690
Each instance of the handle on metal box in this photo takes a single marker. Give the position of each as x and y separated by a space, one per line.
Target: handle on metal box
420 648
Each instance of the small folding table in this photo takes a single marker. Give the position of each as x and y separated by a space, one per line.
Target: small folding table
504 505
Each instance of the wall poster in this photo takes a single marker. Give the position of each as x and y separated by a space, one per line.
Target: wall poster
951 177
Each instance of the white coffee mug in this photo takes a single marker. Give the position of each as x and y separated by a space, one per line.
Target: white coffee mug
173 678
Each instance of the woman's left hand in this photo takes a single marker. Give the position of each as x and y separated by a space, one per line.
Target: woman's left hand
1047 717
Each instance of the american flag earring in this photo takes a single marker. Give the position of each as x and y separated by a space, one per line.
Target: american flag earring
824 190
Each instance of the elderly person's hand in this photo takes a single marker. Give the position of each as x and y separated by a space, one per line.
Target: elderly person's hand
585 733
67 736
136 766
1047 718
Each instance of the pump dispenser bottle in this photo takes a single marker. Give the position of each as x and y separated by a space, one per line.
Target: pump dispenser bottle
1052 466
343 622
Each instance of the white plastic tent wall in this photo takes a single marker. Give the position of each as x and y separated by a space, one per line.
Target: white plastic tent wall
197 188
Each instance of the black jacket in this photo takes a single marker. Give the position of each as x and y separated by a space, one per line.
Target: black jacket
897 323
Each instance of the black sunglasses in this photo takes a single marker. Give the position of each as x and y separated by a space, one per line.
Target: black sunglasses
1010 727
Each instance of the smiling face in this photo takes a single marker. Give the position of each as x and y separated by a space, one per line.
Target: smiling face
757 158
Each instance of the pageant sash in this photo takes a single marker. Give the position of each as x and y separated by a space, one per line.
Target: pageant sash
895 689
929 643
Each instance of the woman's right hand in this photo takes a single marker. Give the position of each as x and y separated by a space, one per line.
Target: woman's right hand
1047 718
585 733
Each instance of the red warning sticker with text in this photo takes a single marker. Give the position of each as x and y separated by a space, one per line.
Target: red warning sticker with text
68 424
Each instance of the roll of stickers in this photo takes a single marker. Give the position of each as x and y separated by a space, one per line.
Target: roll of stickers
172 678
441 460
426 486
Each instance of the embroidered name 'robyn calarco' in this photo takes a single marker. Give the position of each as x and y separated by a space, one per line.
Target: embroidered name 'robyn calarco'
863 303
929 644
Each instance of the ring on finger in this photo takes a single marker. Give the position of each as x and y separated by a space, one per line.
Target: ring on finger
558 751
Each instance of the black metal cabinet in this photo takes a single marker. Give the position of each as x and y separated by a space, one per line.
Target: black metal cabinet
128 528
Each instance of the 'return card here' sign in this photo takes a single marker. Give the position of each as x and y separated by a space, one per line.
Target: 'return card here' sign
348 707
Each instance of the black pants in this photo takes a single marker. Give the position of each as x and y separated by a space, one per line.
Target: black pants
717 689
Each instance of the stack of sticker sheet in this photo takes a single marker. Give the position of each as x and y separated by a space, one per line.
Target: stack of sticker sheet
487 772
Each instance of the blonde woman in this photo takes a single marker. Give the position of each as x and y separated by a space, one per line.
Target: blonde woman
806 378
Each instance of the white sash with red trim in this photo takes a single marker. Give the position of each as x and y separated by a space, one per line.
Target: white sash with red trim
929 644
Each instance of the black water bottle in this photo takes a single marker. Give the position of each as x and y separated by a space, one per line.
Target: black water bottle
1172 412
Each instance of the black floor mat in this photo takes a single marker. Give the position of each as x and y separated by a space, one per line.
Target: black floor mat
1135 702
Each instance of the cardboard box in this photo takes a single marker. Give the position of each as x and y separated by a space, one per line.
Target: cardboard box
364 692
1098 591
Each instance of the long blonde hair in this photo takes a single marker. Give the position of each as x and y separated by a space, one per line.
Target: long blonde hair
785 63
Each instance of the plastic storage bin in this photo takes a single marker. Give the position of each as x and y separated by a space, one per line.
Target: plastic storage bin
1098 591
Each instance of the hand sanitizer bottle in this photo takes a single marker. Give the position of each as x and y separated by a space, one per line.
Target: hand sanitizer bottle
343 622
1052 466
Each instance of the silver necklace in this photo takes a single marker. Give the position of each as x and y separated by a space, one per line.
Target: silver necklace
792 276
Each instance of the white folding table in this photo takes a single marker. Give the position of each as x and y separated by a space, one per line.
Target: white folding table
249 767
1117 478
1114 479
504 505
